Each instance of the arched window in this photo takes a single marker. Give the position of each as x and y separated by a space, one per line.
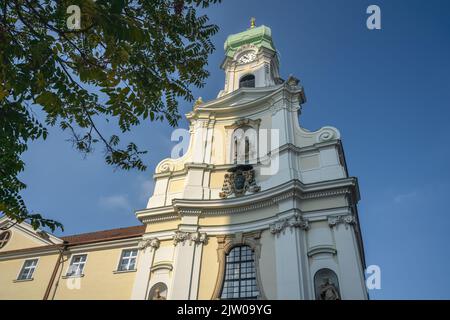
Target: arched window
247 150
326 285
4 238
240 274
245 142
247 81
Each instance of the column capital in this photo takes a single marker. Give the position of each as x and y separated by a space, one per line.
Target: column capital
152 243
297 221
192 237
333 221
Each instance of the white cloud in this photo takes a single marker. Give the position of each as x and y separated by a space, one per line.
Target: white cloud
115 202
146 189
401 198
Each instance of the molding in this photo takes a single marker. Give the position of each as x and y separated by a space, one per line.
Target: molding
74 276
22 280
121 243
244 122
160 217
266 198
321 249
32 252
162 266
123 271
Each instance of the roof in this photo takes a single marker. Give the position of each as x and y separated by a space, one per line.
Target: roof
259 36
105 235
85 238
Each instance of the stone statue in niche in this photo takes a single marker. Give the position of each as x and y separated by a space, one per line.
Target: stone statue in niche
328 291
326 285
239 180
158 292
157 295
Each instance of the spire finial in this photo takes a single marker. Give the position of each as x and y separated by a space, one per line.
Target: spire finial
198 102
252 23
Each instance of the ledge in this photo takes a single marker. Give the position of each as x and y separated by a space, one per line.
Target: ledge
123 271
74 276
162 266
291 189
321 249
22 280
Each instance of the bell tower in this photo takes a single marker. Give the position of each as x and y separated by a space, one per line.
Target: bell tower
258 207
251 60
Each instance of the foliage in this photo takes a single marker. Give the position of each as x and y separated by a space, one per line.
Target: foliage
130 60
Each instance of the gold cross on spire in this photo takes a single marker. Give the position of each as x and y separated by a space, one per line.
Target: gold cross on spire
252 22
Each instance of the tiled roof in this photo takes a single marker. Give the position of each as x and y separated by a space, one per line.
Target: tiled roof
105 235
85 238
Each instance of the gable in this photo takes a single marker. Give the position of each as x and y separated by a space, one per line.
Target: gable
23 236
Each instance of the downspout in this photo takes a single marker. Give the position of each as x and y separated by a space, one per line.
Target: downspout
55 270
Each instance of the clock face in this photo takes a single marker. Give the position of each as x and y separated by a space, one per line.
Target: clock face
247 57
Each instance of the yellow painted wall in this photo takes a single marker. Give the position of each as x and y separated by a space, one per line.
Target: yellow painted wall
164 225
267 265
99 281
209 269
176 185
216 180
34 289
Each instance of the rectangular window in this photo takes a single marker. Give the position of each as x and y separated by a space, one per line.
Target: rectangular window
28 269
128 260
77 265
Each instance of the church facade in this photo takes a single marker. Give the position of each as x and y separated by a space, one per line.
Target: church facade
256 208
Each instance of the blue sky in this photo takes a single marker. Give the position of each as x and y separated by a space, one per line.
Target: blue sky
387 91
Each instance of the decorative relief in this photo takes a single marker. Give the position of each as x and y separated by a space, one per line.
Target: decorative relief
166 166
347 220
292 83
245 122
238 181
284 104
297 222
326 135
300 222
180 236
149 243
278 226
198 238
192 237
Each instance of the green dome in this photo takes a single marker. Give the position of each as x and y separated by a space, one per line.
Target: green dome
259 36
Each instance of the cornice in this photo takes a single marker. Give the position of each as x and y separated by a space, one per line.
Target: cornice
30 252
105 245
229 103
265 198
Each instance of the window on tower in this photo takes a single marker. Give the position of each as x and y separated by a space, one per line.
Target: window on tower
247 81
240 274
244 147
